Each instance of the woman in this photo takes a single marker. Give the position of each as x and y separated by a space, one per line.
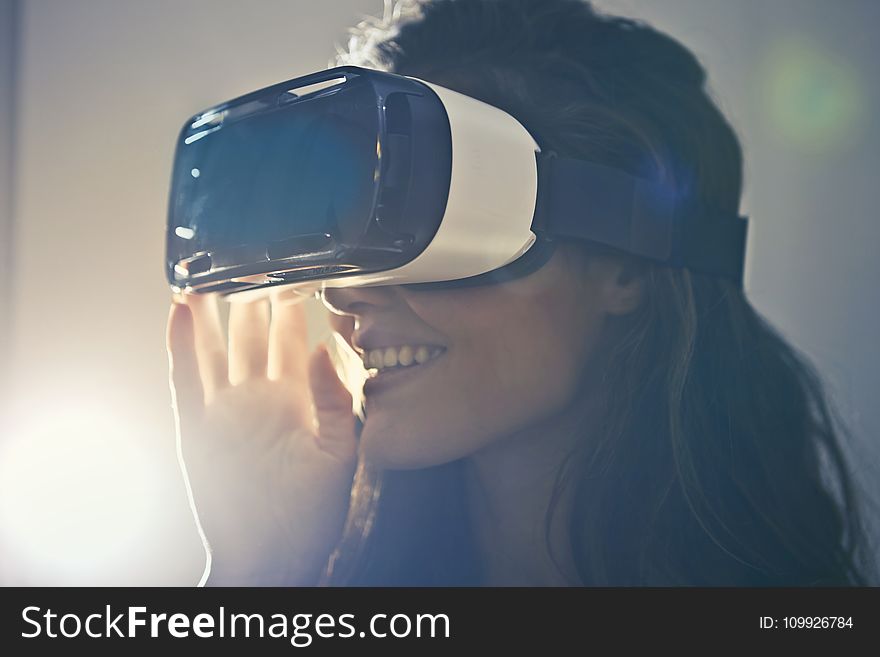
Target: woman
604 420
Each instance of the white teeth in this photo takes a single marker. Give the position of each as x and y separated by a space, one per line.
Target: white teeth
403 356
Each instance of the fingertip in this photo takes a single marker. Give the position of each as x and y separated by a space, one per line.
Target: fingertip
180 321
182 361
332 405
322 372
320 352
318 361
181 312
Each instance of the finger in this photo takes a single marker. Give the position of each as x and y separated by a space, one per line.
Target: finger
248 340
288 341
334 418
343 325
187 394
210 342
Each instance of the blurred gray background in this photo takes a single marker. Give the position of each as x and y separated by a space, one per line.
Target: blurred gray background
92 94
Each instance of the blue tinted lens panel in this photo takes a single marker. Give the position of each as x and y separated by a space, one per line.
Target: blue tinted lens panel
289 167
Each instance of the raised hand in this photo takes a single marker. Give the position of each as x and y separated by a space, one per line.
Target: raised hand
266 435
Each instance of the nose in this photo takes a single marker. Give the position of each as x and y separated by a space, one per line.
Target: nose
358 300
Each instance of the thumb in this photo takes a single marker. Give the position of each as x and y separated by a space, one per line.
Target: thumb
334 417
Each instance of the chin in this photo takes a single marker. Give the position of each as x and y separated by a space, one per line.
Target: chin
402 445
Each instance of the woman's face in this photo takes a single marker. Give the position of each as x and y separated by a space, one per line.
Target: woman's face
509 355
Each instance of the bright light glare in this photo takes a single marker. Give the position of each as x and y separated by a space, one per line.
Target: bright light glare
200 135
815 98
77 494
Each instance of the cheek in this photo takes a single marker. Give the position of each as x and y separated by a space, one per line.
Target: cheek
510 365
535 361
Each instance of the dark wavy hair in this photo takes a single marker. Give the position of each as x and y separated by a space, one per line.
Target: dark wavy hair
719 459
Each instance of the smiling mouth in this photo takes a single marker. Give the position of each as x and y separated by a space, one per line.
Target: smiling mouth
394 374
397 358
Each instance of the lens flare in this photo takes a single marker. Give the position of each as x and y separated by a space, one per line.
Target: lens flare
813 97
77 496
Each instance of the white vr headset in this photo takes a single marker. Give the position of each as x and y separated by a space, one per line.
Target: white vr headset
352 176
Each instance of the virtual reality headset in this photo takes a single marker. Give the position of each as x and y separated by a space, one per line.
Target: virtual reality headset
352 176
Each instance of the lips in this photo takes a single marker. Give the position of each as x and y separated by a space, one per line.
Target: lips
371 339
381 381
394 357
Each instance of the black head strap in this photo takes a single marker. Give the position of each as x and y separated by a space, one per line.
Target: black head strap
584 200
